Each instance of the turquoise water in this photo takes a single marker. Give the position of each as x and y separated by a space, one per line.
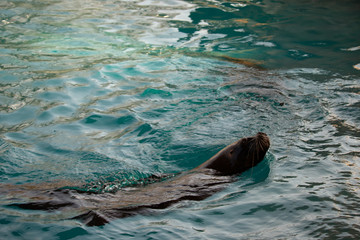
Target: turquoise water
114 91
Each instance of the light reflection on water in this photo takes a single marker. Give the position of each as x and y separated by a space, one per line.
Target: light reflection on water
92 90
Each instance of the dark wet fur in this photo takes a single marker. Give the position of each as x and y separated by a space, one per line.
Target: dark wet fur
258 145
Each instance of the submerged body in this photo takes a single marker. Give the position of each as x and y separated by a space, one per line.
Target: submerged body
197 184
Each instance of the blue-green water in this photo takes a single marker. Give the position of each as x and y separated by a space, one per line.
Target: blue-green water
103 90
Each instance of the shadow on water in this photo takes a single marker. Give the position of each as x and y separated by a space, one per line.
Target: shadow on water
259 173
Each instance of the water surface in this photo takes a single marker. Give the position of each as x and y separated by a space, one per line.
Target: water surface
113 91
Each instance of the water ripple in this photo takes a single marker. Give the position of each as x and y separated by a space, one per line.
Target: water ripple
95 92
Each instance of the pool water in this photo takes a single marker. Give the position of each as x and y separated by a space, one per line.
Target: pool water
106 91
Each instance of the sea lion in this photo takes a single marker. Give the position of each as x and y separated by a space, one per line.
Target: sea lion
197 184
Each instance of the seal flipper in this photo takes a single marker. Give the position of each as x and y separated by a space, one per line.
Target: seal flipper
92 218
96 218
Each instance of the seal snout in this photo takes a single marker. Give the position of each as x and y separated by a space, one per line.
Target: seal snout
262 141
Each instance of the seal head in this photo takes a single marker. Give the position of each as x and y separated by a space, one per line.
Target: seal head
239 156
